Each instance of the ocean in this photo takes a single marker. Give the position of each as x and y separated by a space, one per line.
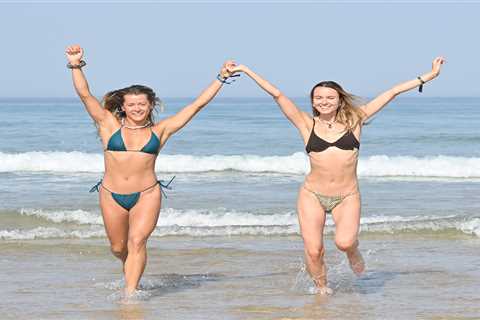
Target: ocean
227 244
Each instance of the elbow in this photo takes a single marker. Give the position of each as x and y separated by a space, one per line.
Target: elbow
392 93
196 107
83 91
277 95
200 103
84 95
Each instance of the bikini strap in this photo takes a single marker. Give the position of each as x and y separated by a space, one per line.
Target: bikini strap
166 186
162 184
96 187
313 127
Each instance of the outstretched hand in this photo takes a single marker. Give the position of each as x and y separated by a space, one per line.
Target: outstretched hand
74 54
225 71
235 68
437 64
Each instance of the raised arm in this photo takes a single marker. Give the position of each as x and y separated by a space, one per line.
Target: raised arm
289 109
180 119
381 101
93 106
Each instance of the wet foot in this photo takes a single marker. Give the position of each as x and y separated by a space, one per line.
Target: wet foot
356 262
321 290
134 297
321 286
128 293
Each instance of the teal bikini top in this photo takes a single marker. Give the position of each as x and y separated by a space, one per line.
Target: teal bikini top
115 143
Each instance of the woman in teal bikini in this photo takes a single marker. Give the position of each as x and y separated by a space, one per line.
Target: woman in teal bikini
332 140
130 195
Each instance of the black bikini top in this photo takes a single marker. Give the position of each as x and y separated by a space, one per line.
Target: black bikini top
346 142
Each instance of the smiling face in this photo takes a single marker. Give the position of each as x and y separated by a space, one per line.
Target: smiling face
137 107
325 100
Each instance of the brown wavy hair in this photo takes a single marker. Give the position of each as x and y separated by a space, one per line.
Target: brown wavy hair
348 112
113 100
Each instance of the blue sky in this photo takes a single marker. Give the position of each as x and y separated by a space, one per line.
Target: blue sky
177 48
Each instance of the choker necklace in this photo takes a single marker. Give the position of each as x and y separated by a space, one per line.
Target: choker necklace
148 124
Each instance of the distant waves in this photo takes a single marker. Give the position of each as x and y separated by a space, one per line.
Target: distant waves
47 224
297 163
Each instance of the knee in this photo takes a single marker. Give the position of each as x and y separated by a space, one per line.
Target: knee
315 253
346 244
136 242
119 250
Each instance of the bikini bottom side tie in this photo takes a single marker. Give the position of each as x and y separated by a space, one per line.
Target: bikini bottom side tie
129 200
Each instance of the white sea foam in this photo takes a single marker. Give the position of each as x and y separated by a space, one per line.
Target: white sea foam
173 217
51 161
222 218
471 226
49 233
437 166
297 163
221 222
65 216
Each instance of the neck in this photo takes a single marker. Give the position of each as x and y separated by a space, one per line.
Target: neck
327 117
132 124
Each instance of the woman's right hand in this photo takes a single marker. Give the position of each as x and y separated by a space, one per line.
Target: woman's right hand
436 65
74 54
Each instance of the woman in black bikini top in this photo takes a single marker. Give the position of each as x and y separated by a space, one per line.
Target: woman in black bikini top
332 138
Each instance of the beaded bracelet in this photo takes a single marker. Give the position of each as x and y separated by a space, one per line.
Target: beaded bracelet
76 66
224 80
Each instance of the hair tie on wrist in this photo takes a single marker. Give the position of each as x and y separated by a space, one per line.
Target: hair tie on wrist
224 80
420 89
76 66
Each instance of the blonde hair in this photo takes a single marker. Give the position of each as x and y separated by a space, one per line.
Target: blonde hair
348 112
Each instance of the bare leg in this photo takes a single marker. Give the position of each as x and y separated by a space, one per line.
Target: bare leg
347 222
115 219
143 219
311 217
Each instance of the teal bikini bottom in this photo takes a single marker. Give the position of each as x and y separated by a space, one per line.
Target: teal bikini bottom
129 200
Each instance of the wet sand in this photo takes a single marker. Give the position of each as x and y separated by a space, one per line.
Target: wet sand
408 276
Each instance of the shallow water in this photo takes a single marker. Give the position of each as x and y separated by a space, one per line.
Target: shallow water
243 278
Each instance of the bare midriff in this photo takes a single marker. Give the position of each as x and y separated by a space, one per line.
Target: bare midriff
333 171
129 171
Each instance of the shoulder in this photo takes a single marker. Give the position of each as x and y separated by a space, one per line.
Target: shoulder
308 119
108 127
109 123
357 131
362 108
159 127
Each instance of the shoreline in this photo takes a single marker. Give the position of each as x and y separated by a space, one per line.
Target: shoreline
242 278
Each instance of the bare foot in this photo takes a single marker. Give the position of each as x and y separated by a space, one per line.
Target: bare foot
356 262
129 292
321 286
322 290
134 297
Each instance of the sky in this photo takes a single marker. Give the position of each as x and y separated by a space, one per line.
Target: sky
177 48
